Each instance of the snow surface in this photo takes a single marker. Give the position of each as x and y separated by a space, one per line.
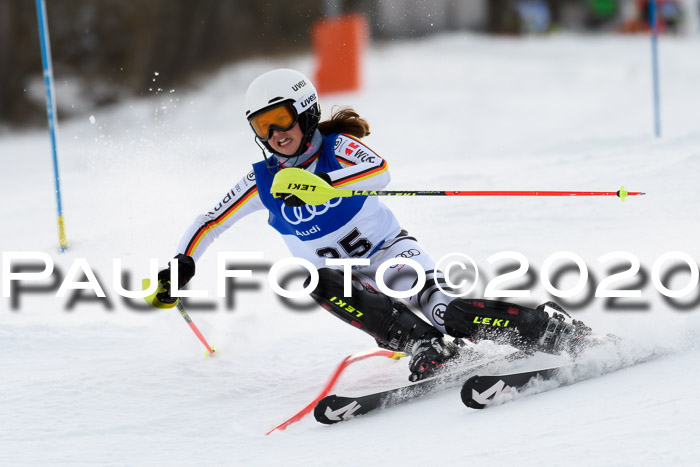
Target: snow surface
99 383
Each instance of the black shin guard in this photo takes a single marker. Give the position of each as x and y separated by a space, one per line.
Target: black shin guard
391 324
496 320
365 309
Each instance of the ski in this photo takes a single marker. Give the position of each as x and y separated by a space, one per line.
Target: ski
334 408
479 391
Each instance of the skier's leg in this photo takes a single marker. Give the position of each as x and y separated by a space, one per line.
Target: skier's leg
391 323
399 277
548 328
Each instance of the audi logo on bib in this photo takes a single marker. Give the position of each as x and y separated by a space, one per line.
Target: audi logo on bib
307 213
406 254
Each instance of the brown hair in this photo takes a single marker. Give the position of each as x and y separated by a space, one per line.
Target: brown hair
345 120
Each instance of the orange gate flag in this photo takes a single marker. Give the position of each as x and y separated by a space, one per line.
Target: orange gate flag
339 44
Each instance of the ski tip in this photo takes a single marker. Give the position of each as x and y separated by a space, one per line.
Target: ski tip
323 413
467 393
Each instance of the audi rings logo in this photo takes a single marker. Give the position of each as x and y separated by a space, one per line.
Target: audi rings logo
307 212
406 254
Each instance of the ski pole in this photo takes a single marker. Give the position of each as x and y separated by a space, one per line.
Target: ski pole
146 283
356 357
313 190
51 114
653 20
186 316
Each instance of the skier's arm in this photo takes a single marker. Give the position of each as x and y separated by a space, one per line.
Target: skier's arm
362 168
240 201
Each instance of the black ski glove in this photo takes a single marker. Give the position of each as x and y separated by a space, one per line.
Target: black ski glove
293 201
186 267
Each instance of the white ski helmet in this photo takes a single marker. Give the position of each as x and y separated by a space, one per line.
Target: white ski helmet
293 94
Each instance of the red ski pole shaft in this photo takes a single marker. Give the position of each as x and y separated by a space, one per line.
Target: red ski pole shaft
194 328
152 300
494 193
315 191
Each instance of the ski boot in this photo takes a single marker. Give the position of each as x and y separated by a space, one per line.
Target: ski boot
426 345
428 356
562 334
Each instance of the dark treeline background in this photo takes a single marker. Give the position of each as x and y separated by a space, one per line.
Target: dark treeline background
115 46
108 49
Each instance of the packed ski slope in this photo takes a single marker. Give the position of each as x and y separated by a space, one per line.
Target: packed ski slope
97 382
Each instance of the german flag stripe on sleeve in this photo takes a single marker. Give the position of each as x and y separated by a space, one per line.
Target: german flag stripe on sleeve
358 141
365 174
370 172
343 162
208 226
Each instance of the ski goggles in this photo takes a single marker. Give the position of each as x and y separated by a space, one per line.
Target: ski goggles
281 117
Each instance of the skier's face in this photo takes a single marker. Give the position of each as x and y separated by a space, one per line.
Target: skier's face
287 142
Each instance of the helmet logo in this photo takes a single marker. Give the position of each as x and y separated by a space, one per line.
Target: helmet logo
308 101
299 85
305 102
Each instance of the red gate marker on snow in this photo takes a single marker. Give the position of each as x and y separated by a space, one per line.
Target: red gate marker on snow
356 357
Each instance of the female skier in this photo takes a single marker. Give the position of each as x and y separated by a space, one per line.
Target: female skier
283 112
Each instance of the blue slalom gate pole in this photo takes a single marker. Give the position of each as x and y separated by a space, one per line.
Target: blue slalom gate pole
50 112
653 13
